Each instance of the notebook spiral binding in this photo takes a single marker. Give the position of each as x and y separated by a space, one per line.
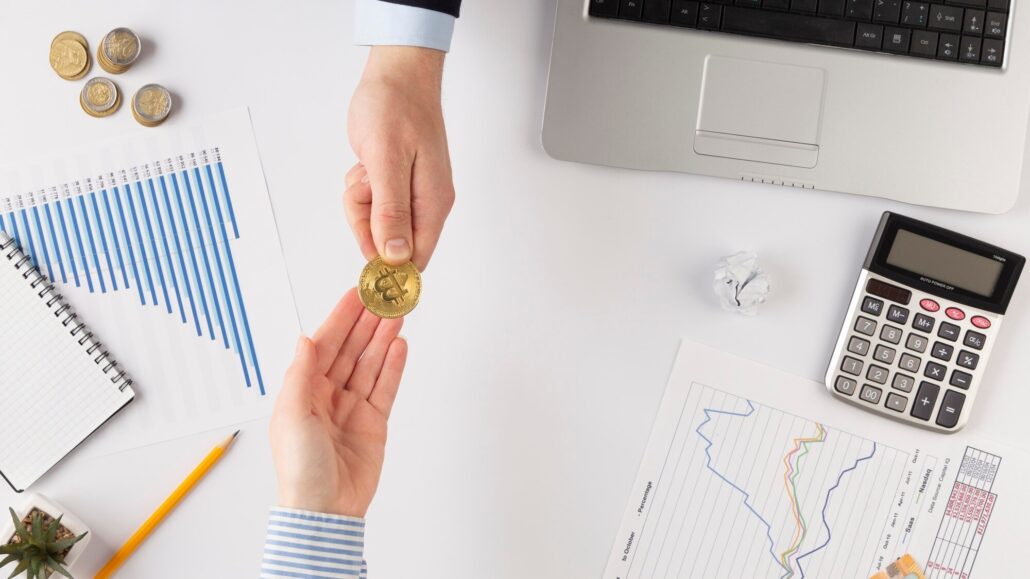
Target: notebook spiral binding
10 250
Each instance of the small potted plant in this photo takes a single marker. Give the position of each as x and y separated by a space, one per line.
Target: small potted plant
41 539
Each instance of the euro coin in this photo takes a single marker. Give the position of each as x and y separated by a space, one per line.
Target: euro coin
69 59
118 50
389 291
100 97
151 105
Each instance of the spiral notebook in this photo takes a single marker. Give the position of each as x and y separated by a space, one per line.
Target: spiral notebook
58 384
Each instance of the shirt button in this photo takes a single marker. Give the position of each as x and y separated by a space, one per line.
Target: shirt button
929 305
955 314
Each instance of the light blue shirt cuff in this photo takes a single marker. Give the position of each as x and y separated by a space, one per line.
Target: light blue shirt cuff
379 23
306 544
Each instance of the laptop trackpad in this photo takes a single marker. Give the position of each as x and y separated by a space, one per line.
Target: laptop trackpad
760 111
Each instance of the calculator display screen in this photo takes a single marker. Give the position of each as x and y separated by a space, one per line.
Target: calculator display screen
945 263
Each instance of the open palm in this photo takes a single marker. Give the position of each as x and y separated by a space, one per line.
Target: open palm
328 430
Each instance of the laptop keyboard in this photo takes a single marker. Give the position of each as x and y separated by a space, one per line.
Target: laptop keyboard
963 31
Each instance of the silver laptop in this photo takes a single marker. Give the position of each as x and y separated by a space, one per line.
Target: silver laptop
922 102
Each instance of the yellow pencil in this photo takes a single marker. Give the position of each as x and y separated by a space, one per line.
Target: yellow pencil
166 507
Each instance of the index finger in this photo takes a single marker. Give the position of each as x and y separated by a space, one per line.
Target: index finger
330 336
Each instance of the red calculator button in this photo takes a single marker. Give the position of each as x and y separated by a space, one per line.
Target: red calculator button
929 305
956 314
981 322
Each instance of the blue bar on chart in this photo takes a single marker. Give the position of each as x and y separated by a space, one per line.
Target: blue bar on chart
162 231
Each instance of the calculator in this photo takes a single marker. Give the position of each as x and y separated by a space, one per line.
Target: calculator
922 323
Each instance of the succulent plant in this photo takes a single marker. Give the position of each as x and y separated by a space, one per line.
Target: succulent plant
36 548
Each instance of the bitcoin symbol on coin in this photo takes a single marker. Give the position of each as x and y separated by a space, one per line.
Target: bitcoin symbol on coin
390 285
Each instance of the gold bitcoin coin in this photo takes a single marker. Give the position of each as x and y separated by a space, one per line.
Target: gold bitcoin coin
69 59
389 291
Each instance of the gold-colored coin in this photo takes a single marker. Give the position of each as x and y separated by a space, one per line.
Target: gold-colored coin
100 97
69 59
71 35
389 291
118 50
151 105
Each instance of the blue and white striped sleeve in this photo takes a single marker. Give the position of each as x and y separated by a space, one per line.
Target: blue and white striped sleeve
313 545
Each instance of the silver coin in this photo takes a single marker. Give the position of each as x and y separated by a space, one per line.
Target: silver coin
121 46
152 103
99 95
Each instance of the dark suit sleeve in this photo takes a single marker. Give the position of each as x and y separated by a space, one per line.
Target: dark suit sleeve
446 6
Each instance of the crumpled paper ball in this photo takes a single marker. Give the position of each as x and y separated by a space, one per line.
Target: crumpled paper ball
740 283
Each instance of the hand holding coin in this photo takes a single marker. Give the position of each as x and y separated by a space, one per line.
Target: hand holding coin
389 291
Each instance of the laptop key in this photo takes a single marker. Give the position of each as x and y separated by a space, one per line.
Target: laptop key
657 11
947 47
969 50
869 36
924 43
886 11
828 7
859 9
1002 5
709 16
994 26
789 26
776 4
915 14
896 40
604 8
973 23
631 9
946 18
684 13
804 5
751 3
969 3
992 51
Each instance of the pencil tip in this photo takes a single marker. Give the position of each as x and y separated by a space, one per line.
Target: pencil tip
235 434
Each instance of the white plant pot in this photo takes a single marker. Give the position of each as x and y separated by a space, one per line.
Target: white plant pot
38 501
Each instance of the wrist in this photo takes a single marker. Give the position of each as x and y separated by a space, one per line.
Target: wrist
313 503
409 64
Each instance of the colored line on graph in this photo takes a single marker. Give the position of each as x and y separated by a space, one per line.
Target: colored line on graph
790 474
826 504
747 497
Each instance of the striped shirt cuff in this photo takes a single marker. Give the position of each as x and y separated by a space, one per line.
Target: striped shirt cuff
313 545
384 23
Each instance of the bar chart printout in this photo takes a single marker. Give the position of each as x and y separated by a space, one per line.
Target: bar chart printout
731 487
168 249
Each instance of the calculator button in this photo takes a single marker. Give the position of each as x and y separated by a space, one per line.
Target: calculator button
974 340
865 326
896 402
884 354
925 399
935 371
961 379
877 374
916 342
909 362
967 359
846 385
942 351
871 394
949 331
951 407
872 306
888 291
858 346
923 322
981 322
852 366
891 334
903 382
897 314
955 313
929 305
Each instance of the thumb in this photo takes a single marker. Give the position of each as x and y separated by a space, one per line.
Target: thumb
391 210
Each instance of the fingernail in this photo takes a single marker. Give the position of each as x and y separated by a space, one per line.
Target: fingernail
364 178
397 250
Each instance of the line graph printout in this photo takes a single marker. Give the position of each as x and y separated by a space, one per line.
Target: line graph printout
166 246
741 480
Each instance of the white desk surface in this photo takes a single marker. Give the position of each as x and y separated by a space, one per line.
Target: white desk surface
553 307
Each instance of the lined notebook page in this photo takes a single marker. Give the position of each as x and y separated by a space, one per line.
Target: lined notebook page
52 392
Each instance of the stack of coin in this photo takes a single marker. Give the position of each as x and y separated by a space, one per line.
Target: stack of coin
100 97
69 55
151 105
118 50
